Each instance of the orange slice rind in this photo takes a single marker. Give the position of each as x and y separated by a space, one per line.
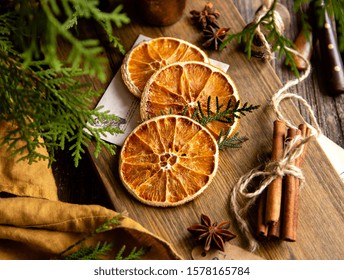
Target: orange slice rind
168 160
147 57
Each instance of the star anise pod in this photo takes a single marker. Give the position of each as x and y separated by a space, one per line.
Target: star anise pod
213 233
207 16
214 36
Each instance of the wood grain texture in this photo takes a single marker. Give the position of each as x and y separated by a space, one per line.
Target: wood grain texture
321 201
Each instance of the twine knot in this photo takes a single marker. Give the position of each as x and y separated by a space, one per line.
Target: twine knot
277 168
241 198
286 166
280 16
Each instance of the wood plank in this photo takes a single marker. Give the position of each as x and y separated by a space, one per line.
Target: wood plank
321 204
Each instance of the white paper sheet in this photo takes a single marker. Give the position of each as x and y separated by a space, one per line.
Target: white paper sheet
334 152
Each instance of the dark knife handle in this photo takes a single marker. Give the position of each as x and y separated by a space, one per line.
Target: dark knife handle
331 58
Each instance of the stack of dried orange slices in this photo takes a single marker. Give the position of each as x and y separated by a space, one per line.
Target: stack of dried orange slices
170 159
149 56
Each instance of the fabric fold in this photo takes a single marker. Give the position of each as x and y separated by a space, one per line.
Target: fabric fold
22 179
34 224
48 232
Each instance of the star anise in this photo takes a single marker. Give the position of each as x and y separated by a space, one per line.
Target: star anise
213 233
214 36
207 16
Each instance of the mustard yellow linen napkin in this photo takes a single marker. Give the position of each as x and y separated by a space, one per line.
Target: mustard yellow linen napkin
34 224
21 179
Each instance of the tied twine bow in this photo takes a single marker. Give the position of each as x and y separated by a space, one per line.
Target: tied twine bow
242 198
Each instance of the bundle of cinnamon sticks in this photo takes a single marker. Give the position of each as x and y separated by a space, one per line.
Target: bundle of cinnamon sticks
277 214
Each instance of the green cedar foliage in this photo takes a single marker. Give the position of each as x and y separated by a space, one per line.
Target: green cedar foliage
91 253
134 254
102 249
280 43
42 93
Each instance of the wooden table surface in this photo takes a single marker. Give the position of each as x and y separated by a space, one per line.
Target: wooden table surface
83 186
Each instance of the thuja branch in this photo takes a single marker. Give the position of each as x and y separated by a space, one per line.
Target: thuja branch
51 20
40 92
247 35
48 108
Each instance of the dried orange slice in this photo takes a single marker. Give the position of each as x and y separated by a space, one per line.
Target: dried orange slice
168 160
149 56
183 85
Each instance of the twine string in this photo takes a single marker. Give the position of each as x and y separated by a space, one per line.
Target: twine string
281 95
242 198
279 24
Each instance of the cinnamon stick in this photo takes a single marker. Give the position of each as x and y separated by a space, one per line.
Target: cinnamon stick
291 198
274 193
274 229
262 227
305 132
287 206
290 194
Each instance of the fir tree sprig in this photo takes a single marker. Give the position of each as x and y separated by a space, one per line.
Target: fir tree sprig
277 40
225 114
104 249
101 249
281 43
91 253
222 113
106 226
109 224
7 24
134 254
235 141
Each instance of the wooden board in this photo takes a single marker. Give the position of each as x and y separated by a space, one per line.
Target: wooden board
321 220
